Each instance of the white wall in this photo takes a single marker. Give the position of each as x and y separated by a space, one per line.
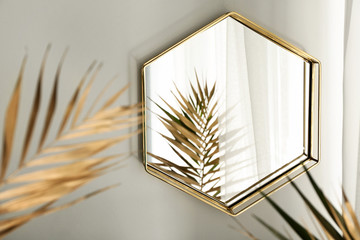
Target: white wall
124 34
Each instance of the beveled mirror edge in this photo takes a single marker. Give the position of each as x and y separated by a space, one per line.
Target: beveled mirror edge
253 26
316 110
245 203
313 156
272 187
272 37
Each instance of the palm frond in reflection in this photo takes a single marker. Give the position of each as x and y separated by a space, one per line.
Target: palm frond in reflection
194 130
73 159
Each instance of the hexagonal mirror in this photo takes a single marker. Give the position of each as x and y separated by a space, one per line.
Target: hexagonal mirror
231 113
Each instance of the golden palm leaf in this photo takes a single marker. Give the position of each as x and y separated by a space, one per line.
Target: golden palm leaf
194 130
71 160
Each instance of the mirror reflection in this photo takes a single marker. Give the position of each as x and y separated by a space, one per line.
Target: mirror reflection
226 111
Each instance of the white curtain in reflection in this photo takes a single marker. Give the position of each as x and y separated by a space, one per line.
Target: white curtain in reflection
276 90
264 106
237 136
263 115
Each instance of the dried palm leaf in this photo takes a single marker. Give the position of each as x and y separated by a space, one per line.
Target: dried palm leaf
194 130
60 168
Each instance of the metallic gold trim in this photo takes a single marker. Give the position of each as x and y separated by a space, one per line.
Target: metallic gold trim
311 155
301 158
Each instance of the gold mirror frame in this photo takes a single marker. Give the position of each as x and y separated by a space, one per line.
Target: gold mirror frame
311 139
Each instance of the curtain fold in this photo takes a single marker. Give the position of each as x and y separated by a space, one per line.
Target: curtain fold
351 127
237 138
